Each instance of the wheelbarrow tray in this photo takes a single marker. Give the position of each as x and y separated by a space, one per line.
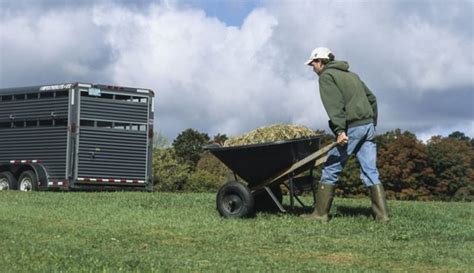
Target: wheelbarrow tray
259 163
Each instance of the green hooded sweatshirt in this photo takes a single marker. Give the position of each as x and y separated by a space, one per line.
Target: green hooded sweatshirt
345 97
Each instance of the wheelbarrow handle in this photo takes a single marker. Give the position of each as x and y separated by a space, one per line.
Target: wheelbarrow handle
305 161
324 150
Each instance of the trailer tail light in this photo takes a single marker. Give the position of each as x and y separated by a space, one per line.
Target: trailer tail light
115 87
150 133
72 127
57 183
27 161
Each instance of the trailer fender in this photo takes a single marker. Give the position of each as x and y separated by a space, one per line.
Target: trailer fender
41 174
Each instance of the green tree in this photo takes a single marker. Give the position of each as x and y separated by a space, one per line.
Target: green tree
459 136
452 160
189 146
402 161
219 139
169 174
160 140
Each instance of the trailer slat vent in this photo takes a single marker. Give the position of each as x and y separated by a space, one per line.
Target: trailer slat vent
109 153
34 109
106 109
45 143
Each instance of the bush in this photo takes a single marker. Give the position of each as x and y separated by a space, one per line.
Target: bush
452 160
402 163
464 194
203 181
212 165
169 174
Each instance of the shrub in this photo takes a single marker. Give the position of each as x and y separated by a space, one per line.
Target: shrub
452 161
212 165
403 167
169 174
203 181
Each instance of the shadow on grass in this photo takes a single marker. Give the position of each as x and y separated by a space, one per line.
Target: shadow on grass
341 211
297 210
345 211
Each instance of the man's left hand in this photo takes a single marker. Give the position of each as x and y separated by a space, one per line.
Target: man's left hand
342 138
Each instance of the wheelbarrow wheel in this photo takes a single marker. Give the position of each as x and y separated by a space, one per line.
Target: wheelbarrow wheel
234 200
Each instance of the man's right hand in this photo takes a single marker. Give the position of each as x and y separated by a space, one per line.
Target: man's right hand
342 138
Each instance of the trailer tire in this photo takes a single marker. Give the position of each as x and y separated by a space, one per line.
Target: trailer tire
7 181
28 181
265 203
234 200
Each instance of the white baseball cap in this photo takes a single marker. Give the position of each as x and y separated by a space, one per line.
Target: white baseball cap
319 53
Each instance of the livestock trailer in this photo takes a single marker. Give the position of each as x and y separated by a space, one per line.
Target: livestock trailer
76 136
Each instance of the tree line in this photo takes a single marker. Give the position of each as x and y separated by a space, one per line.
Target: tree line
440 169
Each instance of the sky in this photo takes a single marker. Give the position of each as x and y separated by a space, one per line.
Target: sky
231 66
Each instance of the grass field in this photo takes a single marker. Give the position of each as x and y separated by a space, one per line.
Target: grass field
182 232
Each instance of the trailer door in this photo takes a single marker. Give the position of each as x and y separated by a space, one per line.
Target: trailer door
113 139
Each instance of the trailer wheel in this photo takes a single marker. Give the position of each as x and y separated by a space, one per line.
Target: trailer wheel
234 200
265 203
7 181
28 181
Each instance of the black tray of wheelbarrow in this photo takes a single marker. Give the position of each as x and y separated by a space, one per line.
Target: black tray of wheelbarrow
257 163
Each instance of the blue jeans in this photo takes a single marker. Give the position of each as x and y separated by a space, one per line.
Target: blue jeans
361 142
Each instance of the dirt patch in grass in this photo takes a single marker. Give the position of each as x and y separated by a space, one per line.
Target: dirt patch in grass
340 258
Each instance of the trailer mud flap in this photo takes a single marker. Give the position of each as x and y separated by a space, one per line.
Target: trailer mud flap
41 175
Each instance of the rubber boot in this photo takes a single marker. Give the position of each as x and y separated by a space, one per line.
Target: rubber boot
379 203
324 198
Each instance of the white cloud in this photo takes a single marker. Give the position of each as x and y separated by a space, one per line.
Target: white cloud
52 46
466 128
223 79
209 75
389 49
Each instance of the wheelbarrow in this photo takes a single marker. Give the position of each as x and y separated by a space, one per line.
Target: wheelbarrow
265 167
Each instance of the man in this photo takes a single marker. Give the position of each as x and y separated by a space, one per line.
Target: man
352 110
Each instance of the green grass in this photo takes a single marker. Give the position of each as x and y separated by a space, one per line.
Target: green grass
146 232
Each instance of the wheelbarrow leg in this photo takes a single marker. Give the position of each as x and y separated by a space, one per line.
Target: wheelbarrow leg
313 187
293 196
270 192
292 192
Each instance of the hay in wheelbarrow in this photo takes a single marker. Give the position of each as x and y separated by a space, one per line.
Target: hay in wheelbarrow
271 133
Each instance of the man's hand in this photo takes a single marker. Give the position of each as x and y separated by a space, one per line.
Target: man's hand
342 138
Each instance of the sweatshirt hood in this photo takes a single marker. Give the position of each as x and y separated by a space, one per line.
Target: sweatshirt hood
340 65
